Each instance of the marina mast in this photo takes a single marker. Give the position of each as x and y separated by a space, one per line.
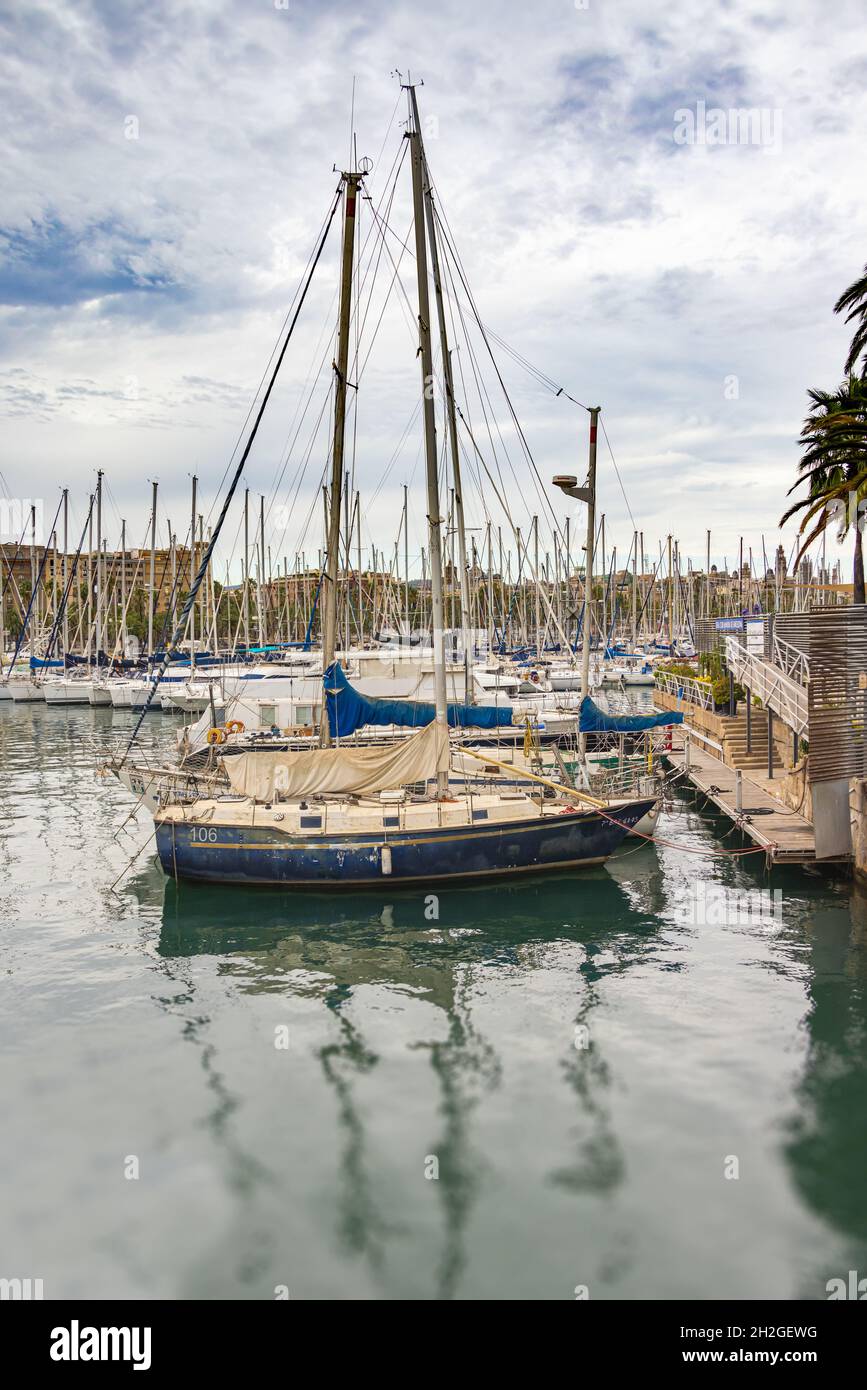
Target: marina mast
430 434
351 184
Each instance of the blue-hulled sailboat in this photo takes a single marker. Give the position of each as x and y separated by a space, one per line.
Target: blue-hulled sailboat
354 816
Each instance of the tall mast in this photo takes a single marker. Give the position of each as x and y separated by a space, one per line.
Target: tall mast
642 587
192 627
122 589
173 543
89 577
588 562
246 572
53 575
347 558
634 590
490 614
351 183
99 641
670 594
260 605
65 577
538 617
450 398
33 606
360 585
151 594
406 560
430 433
203 590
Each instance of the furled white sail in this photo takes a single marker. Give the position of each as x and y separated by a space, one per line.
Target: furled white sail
265 776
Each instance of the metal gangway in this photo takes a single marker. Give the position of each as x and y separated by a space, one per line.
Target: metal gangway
780 684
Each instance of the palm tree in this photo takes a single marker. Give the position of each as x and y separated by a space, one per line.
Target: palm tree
855 300
834 467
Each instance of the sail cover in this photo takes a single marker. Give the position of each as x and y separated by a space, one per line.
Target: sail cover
593 720
349 710
364 771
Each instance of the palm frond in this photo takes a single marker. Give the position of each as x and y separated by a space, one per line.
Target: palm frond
854 299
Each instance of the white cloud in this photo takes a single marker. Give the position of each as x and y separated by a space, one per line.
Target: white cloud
639 274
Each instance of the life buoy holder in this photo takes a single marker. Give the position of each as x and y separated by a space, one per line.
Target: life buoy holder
216 736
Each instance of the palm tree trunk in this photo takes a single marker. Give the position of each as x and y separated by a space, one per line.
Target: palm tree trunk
858 569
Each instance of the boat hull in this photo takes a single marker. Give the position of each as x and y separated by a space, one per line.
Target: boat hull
63 692
21 690
264 855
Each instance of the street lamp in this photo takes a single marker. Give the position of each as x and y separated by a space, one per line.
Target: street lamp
568 485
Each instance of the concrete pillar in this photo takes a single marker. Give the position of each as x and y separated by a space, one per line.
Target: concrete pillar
859 830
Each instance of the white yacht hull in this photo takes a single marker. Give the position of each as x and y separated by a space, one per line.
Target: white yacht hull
21 690
67 692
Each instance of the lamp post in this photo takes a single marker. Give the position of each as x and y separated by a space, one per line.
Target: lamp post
568 485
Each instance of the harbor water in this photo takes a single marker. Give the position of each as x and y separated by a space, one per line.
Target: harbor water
647 1080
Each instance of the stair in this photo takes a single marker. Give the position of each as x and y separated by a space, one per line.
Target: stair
756 760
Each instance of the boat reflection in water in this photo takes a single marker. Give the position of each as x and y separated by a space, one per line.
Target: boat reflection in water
570 1061
409 1007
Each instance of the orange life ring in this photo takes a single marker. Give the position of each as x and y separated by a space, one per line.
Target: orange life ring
234 726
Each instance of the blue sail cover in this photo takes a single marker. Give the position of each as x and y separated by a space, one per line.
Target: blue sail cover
349 710
593 720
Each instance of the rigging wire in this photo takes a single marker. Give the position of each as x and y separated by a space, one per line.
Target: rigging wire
209 549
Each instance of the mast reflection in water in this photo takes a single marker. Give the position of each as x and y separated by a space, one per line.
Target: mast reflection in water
542 1088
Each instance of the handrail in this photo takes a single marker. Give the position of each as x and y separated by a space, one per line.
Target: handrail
777 689
691 732
791 660
691 688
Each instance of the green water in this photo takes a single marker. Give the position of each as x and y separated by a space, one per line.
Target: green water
580 1059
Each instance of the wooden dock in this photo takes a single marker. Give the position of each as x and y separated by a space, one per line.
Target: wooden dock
786 837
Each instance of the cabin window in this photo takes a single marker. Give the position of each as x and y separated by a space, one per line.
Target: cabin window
480 815
267 715
391 821
311 822
303 714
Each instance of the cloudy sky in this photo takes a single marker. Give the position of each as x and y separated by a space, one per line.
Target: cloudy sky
167 168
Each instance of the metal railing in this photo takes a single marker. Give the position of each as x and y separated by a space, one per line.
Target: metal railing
791 660
690 688
691 734
778 691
